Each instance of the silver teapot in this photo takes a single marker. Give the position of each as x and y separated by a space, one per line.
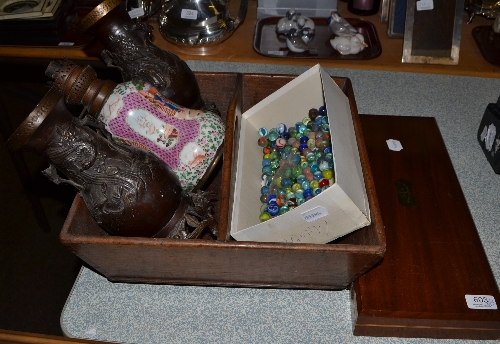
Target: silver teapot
198 23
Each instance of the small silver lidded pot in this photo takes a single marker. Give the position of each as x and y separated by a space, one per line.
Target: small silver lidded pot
199 26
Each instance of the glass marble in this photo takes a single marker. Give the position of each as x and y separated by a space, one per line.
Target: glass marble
287 172
327 174
277 181
322 110
283 210
308 193
273 135
281 200
262 132
305 185
280 143
313 113
318 142
301 179
318 175
299 194
324 165
280 192
262 142
264 216
273 209
264 190
314 167
309 177
296 171
314 184
323 182
267 169
281 128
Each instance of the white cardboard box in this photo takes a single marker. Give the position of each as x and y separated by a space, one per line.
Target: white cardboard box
337 211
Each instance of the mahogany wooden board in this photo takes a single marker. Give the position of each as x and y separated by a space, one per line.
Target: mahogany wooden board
434 255
225 261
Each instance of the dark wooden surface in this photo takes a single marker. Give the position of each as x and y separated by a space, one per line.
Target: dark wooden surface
239 48
12 337
225 261
434 254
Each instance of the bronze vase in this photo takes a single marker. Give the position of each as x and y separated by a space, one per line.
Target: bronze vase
128 191
128 47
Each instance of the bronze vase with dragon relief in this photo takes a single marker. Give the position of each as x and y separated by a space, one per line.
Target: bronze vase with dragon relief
128 46
128 191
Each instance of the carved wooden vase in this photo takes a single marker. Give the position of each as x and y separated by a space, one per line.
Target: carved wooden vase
128 191
189 141
128 47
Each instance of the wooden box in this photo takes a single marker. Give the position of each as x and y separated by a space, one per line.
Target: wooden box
225 261
434 259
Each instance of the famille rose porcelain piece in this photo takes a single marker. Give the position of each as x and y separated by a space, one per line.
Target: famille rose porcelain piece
189 141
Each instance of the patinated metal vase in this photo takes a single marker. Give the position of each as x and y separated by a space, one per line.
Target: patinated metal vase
128 191
128 46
